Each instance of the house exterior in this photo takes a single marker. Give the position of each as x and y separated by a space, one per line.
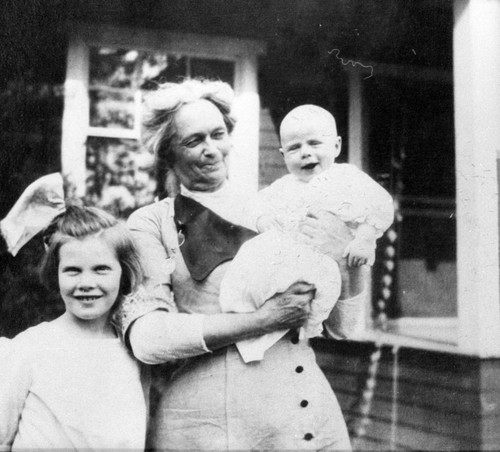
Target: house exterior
414 87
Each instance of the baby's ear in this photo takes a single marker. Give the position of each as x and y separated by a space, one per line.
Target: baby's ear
338 146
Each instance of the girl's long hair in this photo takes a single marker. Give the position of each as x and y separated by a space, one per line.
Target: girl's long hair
79 223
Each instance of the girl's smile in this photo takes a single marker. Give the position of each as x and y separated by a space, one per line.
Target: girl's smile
87 300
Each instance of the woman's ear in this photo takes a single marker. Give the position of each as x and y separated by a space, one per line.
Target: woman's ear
338 146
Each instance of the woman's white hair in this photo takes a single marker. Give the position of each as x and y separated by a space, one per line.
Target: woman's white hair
162 104
159 117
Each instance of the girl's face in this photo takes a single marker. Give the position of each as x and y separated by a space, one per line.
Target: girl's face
89 276
201 146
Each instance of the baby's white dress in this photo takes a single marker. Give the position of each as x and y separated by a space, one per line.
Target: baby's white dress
272 261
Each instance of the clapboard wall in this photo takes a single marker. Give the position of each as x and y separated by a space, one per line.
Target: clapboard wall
271 164
417 400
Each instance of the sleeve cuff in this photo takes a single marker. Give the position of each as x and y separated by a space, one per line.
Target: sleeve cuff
199 318
138 304
347 318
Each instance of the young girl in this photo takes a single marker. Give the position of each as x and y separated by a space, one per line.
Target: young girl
70 383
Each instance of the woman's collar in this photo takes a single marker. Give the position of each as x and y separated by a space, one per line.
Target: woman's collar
195 193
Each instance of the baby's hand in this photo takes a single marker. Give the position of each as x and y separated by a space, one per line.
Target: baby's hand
266 222
360 252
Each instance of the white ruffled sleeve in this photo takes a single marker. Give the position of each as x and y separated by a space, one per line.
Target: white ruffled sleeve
376 206
149 323
140 303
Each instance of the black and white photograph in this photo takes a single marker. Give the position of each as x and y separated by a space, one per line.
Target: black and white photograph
249 225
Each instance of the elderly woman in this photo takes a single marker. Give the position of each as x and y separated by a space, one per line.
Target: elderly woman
214 400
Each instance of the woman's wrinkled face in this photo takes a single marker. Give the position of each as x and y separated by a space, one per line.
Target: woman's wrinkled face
201 146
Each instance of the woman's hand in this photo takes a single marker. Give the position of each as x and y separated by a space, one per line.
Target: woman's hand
326 232
289 309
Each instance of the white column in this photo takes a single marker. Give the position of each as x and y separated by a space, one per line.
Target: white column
358 150
76 115
357 121
476 52
244 160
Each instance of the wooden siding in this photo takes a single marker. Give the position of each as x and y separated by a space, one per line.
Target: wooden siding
437 402
271 165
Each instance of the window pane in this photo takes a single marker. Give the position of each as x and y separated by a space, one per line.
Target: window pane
120 175
427 281
412 145
215 69
113 81
113 67
161 68
112 109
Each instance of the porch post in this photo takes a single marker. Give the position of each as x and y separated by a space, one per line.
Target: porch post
358 126
244 160
76 115
358 153
476 47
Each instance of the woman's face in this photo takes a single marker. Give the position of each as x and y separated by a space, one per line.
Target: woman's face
201 146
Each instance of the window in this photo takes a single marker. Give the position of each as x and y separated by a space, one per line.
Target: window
408 144
118 77
412 141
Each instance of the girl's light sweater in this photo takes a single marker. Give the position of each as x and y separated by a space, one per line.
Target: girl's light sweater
61 391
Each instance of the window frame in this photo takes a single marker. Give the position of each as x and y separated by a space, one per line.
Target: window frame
430 333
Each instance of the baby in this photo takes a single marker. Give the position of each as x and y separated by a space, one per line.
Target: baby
278 257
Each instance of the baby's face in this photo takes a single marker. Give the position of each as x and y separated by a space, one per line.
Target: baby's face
309 145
